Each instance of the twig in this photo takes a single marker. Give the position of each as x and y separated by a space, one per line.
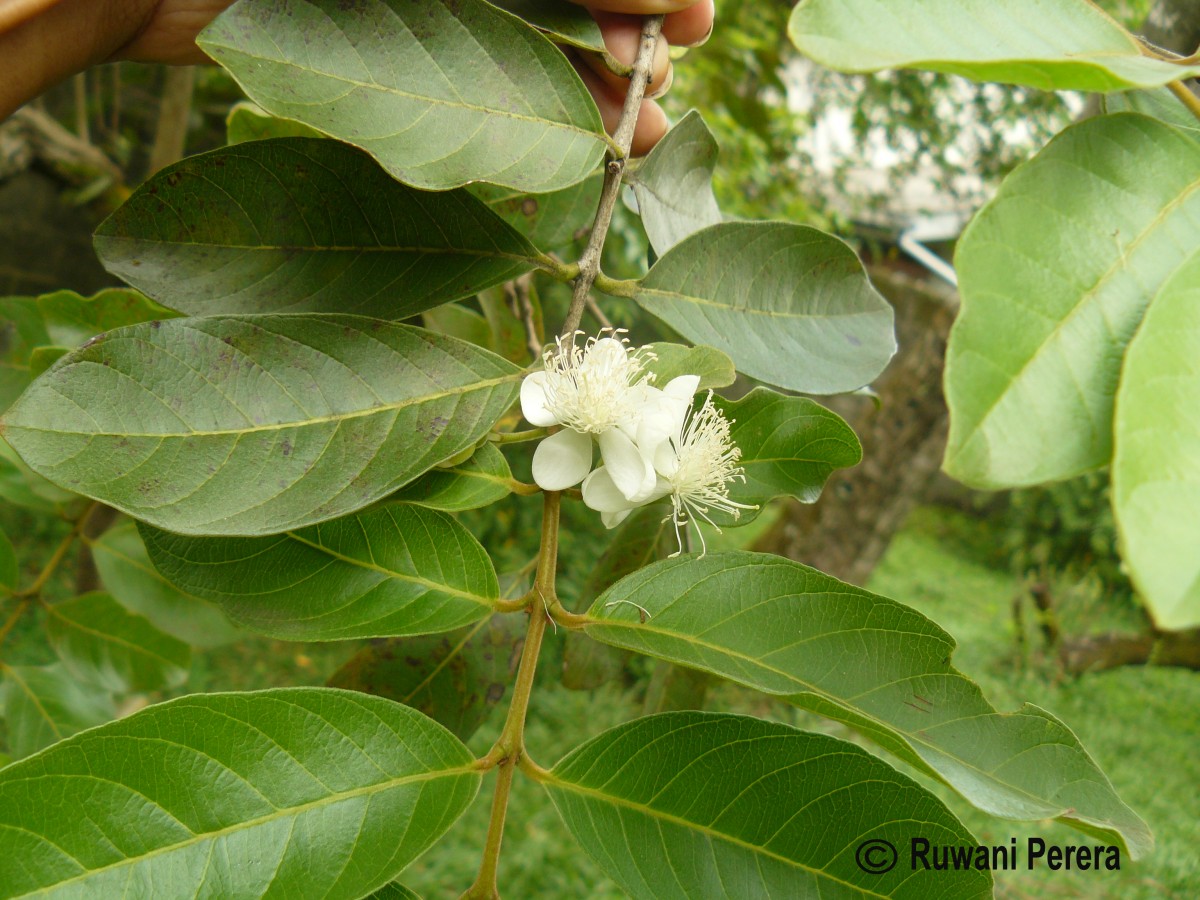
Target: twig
510 746
589 262
521 301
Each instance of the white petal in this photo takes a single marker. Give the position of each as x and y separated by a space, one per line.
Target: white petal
630 471
683 388
666 460
533 401
607 353
663 417
612 520
562 460
602 495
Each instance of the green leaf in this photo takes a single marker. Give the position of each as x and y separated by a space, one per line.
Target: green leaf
100 642
480 481
391 570
304 225
672 360
1158 103
510 336
637 542
256 424
127 573
674 185
1066 45
42 706
791 305
1156 469
1055 274
249 122
10 571
71 319
459 322
42 358
441 92
394 891
21 486
790 446
563 23
693 804
550 221
21 330
300 792
673 688
456 679
880 667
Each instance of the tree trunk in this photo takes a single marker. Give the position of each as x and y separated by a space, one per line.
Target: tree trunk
903 436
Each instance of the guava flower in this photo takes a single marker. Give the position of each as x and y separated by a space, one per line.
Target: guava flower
596 391
694 464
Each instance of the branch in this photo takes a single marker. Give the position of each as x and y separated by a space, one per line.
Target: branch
589 263
510 746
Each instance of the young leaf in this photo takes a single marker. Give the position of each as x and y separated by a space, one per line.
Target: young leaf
72 319
45 704
880 667
671 360
791 305
790 446
256 424
392 570
249 122
299 792
21 330
1035 354
673 185
440 92
1060 46
692 804
127 573
304 225
100 642
550 221
456 679
480 481
1156 469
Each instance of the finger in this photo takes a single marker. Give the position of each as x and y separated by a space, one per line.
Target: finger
622 37
690 27
637 7
652 121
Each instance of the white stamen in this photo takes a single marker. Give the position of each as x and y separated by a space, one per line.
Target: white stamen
592 388
706 463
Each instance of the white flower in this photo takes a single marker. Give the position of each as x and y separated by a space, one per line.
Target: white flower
595 391
695 464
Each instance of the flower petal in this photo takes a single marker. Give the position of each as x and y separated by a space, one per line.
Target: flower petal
602 495
683 388
613 519
630 471
607 354
562 460
533 401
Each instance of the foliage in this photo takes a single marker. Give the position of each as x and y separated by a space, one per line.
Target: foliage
290 456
